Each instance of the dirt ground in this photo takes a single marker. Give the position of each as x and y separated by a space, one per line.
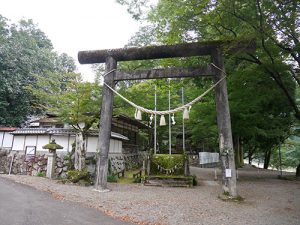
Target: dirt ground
268 200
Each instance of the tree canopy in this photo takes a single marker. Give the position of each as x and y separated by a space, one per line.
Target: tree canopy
25 51
262 85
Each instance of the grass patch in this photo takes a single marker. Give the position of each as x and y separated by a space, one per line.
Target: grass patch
129 177
41 174
226 197
112 178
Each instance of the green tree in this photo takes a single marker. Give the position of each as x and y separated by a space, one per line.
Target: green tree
261 116
274 25
75 102
24 51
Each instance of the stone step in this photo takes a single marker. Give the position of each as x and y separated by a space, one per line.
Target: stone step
169 182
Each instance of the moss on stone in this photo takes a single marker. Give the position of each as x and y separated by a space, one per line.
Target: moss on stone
52 146
76 176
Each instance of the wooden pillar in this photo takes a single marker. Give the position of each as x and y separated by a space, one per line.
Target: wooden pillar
105 126
224 127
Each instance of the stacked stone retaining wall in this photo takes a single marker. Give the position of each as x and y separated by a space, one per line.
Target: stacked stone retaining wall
37 165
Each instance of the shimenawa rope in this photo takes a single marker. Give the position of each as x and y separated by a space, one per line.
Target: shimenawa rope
166 112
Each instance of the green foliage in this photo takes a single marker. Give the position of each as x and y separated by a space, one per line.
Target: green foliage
52 145
68 97
167 164
261 84
138 180
41 174
25 52
76 176
195 182
68 158
112 178
260 114
290 154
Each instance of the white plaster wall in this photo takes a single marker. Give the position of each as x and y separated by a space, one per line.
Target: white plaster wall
7 141
92 144
31 140
72 140
115 146
42 140
18 144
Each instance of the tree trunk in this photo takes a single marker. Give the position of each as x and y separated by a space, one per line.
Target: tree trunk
250 155
241 154
267 158
298 171
105 127
80 151
224 128
236 147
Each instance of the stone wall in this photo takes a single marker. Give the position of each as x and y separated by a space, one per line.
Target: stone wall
120 162
38 164
62 165
32 165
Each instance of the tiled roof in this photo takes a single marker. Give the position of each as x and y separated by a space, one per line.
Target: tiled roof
7 128
30 131
62 131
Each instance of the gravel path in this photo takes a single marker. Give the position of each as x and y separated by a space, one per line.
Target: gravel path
268 200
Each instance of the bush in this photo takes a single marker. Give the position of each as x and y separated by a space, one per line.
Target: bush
112 178
41 174
195 182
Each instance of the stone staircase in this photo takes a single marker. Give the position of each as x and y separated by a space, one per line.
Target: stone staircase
173 181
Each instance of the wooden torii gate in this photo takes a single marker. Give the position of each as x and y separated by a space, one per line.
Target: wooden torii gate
213 48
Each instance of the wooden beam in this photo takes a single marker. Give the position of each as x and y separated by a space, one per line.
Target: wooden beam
164 73
164 51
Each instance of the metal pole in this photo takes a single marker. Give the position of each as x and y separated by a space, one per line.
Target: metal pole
170 145
155 102
183 134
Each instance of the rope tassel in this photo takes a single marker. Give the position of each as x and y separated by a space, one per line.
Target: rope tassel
162 121
138 114
151 118
186 115
173 119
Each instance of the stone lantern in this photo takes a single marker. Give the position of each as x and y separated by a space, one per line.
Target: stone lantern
52 146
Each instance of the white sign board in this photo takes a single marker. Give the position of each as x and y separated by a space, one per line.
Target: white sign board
208 157
227 172
30 150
